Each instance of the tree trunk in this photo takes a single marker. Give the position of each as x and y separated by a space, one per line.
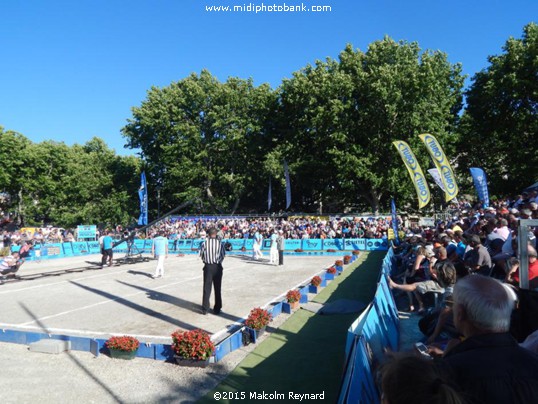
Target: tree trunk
236 205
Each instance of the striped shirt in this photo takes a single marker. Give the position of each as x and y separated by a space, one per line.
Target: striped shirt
211 251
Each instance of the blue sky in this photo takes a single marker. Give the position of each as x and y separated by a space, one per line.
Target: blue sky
71 70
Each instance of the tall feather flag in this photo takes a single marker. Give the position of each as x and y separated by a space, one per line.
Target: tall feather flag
288 185
443 165
143 195
434 172
417 176
269 196
394 221
481 185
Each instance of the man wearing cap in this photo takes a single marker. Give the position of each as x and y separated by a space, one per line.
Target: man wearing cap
478 259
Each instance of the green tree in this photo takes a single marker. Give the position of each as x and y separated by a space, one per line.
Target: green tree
201 139
500 125
347 113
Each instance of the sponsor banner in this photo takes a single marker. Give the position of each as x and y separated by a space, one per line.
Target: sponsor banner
52 250
417 176
94 247
139 244
80 248
333 244
237 243
376 245
312 244
120 247
87 231
355 244
442 164
171 245
148 245
292 244
196 243
266 244
68 249
184 244
249 243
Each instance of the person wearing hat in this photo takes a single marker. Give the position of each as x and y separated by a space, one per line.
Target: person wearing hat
513 274
280 241
478 259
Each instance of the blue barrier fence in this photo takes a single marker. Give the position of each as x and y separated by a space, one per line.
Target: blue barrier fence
70 249
370 334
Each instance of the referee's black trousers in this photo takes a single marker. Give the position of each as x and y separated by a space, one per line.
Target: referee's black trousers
212 277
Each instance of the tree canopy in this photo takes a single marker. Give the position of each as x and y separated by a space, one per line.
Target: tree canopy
499 128
334 121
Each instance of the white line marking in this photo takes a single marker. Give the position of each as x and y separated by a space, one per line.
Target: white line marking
115 271
113 300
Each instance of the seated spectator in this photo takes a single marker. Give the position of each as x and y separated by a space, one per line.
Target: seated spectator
432 285
414 380
513 274
489 365
478 259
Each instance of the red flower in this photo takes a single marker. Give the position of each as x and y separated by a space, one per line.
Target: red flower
316 281
293 296
124 343
331 270
339 263
193 344
347 259
258 318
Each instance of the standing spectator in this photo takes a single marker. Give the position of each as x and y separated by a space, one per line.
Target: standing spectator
160 250
107 249
212 254
256 247
273 252
280 241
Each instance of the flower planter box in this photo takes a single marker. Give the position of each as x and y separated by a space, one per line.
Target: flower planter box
339 268
329 276
313 289
192 363
288 308
256 334
119 354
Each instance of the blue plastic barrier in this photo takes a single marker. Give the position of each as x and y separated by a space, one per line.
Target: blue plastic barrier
375 330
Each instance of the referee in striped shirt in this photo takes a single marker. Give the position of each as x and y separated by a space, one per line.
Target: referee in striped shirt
212 254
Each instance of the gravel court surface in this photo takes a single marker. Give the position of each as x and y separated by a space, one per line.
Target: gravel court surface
126 300
79 376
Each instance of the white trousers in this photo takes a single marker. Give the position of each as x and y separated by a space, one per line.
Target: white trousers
159 271
256 252
273 255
